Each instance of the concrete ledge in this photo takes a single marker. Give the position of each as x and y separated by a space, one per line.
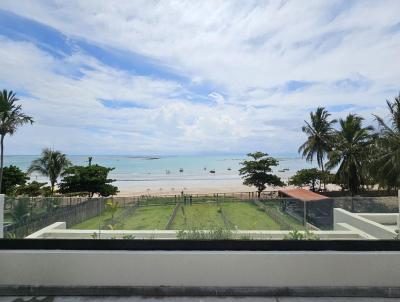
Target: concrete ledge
160 291
370 227
199 269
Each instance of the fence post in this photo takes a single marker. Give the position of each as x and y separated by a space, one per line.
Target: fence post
1 215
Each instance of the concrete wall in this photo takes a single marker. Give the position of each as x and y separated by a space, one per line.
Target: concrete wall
199 268
383 218
365 225
58 231
1 215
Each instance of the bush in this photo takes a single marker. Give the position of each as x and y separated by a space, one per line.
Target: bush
213 234
20 210
297 235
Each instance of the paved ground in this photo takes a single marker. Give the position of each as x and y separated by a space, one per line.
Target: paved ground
189 299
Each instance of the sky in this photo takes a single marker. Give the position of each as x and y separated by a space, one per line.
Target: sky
192 77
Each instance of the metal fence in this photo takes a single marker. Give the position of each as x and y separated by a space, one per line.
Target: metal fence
70 214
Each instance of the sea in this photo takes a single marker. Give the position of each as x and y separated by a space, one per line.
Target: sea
162 174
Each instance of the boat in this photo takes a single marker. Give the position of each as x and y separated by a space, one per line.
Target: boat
181 170
212 171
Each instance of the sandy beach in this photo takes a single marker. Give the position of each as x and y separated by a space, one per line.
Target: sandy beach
128 188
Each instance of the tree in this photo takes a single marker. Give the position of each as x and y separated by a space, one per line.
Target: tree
34 189
351 153
12 177
20 210
91 179
320 134
51 164
385 168
11 117
257 171
306 177
112 208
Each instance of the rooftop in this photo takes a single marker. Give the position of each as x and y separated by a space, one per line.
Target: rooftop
303 195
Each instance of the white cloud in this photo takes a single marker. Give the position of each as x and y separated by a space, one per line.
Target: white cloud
248 50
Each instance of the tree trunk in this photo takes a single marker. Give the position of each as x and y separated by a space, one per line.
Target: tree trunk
1 161
52 188
323 176
259 194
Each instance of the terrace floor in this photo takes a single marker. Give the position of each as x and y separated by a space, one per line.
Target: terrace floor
192 299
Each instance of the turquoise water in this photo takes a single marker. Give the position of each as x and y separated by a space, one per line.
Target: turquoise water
135 169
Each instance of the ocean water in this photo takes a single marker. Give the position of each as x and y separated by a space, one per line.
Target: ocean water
169 173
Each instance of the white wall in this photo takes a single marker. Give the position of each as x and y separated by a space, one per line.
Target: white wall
199 268
58 230
385 218
1 215
368 226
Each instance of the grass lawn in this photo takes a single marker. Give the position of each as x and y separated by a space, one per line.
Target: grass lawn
297 225
243 215
144 218
246 216
149 218
93 223
199 216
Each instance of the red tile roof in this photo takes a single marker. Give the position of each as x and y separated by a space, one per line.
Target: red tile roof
303 195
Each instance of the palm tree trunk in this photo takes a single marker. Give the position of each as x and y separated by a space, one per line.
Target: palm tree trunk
1 160
323 175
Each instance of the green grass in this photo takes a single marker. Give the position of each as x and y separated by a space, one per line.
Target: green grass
205 215
199 216
246 216
93 223
149 218
144 218
297 225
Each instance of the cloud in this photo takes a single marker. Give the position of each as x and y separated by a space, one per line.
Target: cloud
182 77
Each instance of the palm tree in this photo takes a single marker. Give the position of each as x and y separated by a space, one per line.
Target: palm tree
11 117
386 164
351 153
320 138
51 164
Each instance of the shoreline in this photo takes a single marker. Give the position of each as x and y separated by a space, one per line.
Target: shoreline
200 187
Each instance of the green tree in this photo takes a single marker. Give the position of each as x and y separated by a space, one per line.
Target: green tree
12 177
51 164
34 189
91 179
257 171
306 177
385 167
11 117
320 136
351 153
112 208
20 210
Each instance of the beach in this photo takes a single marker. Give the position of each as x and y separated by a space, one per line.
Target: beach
170 175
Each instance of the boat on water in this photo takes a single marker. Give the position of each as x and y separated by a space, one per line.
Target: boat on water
212 171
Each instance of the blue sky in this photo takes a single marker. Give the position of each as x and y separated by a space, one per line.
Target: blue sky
186 77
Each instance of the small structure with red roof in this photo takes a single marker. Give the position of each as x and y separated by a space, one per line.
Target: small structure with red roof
306 205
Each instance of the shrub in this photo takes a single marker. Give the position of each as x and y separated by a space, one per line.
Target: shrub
213 234
297 235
